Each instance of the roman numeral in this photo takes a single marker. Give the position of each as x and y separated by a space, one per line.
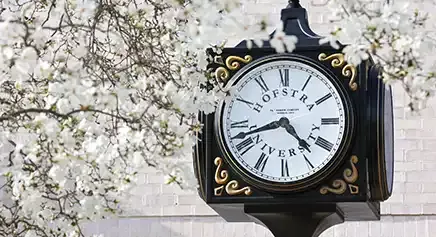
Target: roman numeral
305 84
285 170
240 124
324 98
257 137
329 121
308 162
314 127
257 106
321 142
261 162
245 146
262 84
284 77
248 103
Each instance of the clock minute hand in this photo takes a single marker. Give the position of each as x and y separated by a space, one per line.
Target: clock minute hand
291 130
270 126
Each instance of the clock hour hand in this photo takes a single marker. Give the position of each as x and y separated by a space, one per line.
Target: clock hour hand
270 126
291 130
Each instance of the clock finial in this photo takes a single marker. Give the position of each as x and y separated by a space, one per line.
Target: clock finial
294 3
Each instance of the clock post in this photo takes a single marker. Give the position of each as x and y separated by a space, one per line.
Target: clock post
305 142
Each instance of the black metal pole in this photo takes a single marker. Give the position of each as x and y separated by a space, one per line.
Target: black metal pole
294 3
295 220
297 225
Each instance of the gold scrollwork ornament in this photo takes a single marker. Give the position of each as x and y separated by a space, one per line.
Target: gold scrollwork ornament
339 186
232 188
350 71
222 177
222 74
351 175
338 60
233 62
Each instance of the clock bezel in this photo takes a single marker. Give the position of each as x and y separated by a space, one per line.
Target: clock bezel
311 180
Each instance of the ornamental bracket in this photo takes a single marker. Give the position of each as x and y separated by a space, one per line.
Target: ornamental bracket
232 63
222 179
338 61
339 186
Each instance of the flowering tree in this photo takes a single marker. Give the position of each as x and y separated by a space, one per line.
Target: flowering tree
93 90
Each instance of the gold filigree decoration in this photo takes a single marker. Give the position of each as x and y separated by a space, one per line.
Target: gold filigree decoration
233 62
219 191
350 177
232 188
222 74
354 189
350 71
222 177
338 60
339 187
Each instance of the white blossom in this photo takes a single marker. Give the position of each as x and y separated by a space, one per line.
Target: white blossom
282 42
93 91
397 36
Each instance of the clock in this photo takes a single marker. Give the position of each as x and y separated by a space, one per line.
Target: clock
297 133
285 124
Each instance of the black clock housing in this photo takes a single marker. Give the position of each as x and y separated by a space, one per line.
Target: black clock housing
355 182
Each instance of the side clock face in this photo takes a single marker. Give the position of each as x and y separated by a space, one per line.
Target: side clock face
284 122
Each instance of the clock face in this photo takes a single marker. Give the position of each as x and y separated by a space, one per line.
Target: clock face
284 121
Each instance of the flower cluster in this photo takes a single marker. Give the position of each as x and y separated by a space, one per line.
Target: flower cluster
398 36
91 91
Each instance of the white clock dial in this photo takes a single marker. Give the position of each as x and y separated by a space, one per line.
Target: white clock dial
284 122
